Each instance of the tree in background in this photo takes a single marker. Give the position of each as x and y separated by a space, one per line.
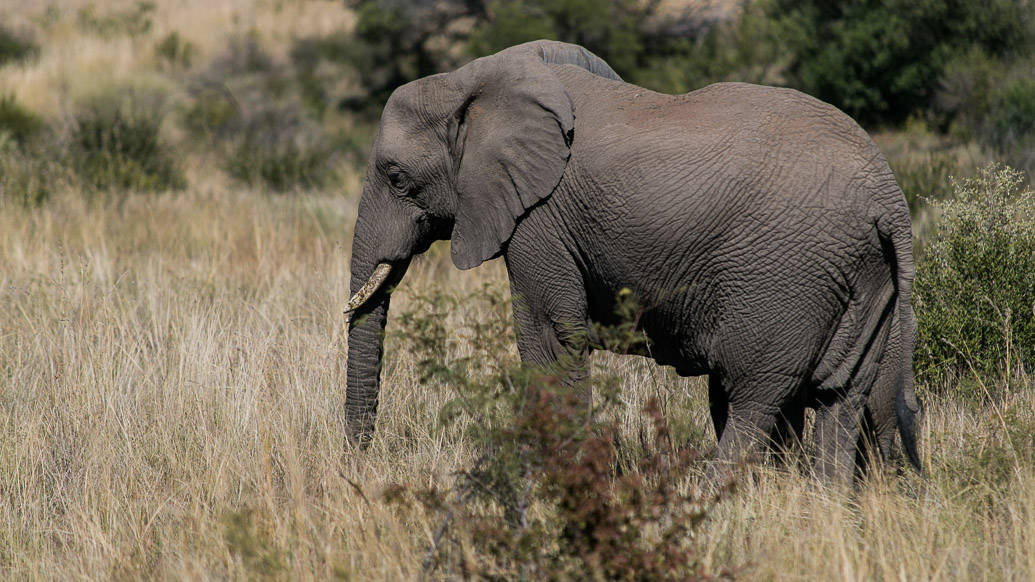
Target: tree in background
401 40
882 60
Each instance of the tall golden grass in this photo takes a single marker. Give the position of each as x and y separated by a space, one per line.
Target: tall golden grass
172 380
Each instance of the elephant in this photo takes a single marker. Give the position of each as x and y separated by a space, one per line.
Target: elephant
761 228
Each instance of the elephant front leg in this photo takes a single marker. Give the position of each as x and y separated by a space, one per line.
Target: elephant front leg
562 352
553 336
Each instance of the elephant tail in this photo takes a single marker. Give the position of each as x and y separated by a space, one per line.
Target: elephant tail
893 229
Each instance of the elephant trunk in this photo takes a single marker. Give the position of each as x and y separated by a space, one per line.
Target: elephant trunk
370 290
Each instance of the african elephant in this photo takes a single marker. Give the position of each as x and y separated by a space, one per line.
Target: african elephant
762 227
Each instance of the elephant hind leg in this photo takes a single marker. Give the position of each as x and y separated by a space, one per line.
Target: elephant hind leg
719 405
837 434
757 408
790 427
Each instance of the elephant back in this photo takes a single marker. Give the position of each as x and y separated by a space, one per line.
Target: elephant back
554 52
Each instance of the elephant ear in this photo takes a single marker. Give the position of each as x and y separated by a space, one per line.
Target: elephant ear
510 141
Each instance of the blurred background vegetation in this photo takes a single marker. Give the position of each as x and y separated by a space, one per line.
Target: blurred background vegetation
289 105
178 181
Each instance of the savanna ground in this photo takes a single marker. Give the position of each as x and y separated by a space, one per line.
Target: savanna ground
172 373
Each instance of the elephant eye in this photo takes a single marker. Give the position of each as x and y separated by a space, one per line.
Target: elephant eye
398 180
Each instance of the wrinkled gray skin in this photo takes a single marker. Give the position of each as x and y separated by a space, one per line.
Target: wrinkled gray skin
762 228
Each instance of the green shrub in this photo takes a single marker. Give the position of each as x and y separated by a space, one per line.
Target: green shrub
926 179
280 162
212 113
132 21
740 49
116 146
16 47
17 121
28 176
975 286
321 63
547 497
259 116
882 60
993 102
398 41
175 52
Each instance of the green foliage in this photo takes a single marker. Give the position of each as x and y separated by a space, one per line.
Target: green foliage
252 546
20 123
262 154
398 41
318 68
16 47
545 498
213 112
928 178
991 101
975 286
134 21
252 112
28 176
741 49
175 52
1015 110
116 146
880 60
609 28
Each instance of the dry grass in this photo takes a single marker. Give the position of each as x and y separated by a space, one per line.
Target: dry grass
172 377
173 372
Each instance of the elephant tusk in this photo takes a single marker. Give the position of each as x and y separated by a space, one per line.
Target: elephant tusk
369 288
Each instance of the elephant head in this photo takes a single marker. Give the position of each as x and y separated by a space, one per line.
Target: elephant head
460 155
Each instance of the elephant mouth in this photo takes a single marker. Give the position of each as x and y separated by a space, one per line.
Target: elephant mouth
376 280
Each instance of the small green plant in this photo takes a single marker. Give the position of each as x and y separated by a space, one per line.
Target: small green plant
117 146
16 47
926 179
281 161
133 21
547 497
975 286
261 123
213 113
175 52
17 121
27 177
249 544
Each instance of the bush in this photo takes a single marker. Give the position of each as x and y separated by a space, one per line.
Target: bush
16 47
132 21
882 60
252 110
741 49
175 52
17 121
28 176
272 150
398 41
117 146
975 286
993 102
547 497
